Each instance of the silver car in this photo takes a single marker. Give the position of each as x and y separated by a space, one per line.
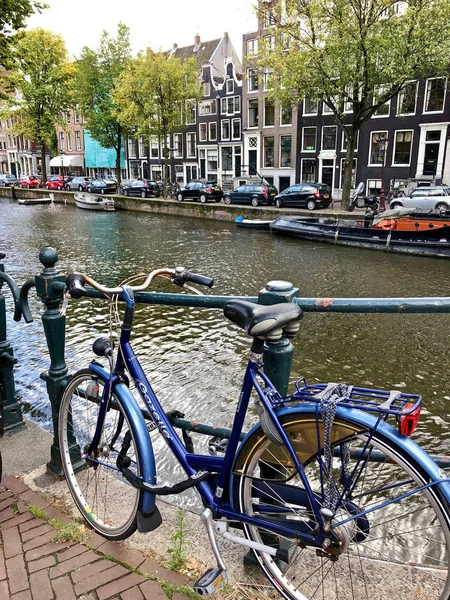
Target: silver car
8 179
78 183
433 197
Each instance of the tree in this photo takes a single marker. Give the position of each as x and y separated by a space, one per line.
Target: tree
95 72
13 15
39 87
353 54
153 96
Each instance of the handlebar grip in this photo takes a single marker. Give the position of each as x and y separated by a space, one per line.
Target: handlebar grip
75 285
198 279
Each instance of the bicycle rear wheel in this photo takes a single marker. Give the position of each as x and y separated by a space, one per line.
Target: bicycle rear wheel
399 551
105 499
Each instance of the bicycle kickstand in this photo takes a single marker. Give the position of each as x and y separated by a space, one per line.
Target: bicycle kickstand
209 581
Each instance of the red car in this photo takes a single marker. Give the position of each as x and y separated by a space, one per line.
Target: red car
30 181
57 182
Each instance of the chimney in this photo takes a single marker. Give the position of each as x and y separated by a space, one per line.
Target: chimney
175 46
197 40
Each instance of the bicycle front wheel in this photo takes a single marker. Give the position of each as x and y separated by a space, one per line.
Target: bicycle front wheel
105 499
397 551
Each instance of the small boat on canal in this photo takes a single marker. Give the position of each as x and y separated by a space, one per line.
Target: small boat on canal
93 202
38 200
408 231
252 223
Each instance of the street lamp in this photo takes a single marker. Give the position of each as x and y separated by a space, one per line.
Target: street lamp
62 164
382 146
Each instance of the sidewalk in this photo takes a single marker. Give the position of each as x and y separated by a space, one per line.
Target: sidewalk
34 567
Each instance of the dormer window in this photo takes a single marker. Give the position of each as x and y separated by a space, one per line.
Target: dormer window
230 86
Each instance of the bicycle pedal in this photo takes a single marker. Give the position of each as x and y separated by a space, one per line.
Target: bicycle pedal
217 445
210 581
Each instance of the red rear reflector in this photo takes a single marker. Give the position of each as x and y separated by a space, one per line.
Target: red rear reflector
209 190
265 192
408 423
317 194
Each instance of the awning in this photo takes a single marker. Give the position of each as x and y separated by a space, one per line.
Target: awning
67 160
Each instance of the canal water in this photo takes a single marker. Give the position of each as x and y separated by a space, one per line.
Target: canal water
194 357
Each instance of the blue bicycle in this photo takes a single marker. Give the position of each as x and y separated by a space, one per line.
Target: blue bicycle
328 489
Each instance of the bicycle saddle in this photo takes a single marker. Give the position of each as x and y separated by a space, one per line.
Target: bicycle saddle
267 322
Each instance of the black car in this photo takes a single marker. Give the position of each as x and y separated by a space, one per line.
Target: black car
102 186
200 189
254 194
142 187
305 195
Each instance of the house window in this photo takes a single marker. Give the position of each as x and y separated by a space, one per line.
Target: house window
402 149
383 110
131 147
178 145
406 101
326 110
68 118
230 106
353 179
269 113
267 77
376 154
329 134
227 158
78 140
206 88
252 46
212 160
213 131
269 152
269 20
308 170
252 77
191 142
62 145
285 150
207 107
286 115
309 139
236 130
269 41
344 139
309 106
253 113
434 95
230 86
226 130
154 148
141 147
76 115
69 142
203 132
190 112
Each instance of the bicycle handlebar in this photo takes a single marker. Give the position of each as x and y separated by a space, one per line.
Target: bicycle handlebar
75 282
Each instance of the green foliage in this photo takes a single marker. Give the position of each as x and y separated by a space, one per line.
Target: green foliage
152 95
95 73
178 540
13 15
360 52
38 89
65 532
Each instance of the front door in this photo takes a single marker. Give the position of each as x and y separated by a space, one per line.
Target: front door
252 158
430 158
327 171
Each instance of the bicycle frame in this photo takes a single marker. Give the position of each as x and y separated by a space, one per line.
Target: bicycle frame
193 464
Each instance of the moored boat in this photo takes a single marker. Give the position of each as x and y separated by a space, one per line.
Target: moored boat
252 223
93 202
433 241
38 200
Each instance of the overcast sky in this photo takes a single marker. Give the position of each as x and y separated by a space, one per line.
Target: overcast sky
158 25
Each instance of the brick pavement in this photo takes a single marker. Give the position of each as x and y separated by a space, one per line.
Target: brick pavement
34 567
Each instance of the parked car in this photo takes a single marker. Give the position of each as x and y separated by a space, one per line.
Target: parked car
29 181
200 189
56 182
79 183
254 194
102 186
305 195
141 187
434 197
8 179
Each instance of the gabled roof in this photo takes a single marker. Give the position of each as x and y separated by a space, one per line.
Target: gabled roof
203 51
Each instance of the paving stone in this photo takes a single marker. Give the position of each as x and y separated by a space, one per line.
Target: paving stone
46 550
38 531
134 558
26 525
33 499
92 569
42 563
95 540
4 494
41 540
17 575
7 514
100 579
75 550
14 484
63 588
25 595
54 513
11 542
8 502
72 564
152 591
21 506
20 519
115 587
4 591
179 597
2 565
41 588
133 594
151 568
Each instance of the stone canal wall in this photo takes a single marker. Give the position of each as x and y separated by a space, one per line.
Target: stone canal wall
216 211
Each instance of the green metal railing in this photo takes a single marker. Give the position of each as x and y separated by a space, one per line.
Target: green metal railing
50 286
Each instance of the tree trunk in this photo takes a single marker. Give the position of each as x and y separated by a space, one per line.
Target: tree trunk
166 159
348 163
43 163
119 148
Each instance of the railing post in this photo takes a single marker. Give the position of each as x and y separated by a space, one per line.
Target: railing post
54 328
10 412
278 355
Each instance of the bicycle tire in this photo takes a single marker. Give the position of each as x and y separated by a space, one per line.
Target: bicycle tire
371 544
107 502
